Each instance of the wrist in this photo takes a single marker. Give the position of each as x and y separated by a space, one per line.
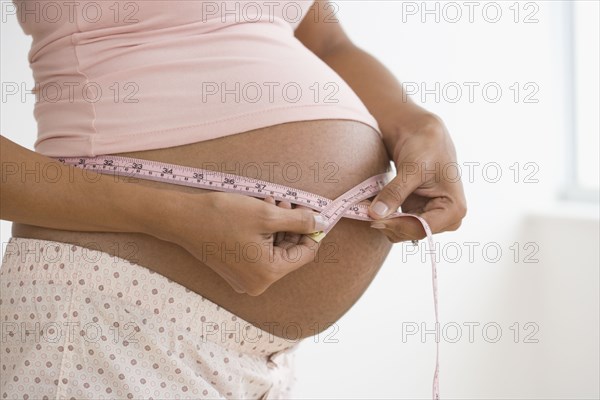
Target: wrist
399 117
417 123
415 120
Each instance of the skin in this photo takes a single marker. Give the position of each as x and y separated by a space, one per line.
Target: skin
310 297
311 293
40 192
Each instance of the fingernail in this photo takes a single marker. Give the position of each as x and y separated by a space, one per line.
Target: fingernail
320 224
380 208
378 225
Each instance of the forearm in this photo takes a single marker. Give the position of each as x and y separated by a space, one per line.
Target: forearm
38 190
378 89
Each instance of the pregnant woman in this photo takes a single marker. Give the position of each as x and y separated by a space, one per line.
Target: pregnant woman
116 288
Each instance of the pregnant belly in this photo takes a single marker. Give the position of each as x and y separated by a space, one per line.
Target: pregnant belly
326 157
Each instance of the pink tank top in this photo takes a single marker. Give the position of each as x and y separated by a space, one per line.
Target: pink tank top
116 76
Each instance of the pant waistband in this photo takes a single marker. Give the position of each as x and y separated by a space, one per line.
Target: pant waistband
154 298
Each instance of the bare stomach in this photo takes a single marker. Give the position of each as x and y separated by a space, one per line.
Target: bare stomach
326 157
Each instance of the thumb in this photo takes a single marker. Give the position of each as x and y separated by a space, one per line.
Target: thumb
297 220
393 195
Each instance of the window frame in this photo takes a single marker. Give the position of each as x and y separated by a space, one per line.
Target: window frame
572 189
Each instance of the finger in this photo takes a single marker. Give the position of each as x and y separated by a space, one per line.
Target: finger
293 237
285 204
295 220
294 257
310 243
270 200
395 192
439 219
300 207
397 237
402 229
290 238
280 237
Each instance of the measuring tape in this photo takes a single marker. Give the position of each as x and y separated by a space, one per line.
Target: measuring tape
351 204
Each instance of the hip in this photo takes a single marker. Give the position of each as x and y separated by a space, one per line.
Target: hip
79 323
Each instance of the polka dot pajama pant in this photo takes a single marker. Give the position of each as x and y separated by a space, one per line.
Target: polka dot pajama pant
82 324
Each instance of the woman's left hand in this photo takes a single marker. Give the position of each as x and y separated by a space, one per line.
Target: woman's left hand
427 182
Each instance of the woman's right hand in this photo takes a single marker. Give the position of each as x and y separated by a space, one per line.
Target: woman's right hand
240 237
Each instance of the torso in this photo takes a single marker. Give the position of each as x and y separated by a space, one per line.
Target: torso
332 156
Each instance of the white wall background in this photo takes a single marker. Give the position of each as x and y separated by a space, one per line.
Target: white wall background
558 293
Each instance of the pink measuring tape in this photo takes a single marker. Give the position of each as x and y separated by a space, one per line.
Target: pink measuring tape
349 205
